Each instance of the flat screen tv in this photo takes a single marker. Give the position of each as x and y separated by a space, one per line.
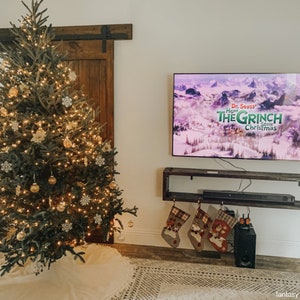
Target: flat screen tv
242 116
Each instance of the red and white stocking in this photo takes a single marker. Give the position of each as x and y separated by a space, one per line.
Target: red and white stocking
199 229
221 226
176 219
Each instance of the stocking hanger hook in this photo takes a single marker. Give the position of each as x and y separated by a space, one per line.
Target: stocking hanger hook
221 205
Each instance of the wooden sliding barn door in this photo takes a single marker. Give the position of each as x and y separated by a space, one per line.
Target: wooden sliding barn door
95 75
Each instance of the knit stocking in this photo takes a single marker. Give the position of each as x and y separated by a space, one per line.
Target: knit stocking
221 226
176 219
199 229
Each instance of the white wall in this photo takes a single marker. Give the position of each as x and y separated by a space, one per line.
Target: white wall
183 36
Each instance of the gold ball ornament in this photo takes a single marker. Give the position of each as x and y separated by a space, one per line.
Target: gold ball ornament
52 180
99 139
21 235
34 188
130 223
13 92
3 112
67 143
61 206
113 185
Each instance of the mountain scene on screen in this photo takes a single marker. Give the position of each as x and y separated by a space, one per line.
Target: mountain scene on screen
246 116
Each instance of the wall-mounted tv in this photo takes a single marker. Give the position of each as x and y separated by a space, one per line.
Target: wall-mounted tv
245 116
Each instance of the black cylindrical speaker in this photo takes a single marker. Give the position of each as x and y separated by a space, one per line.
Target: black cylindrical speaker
244 246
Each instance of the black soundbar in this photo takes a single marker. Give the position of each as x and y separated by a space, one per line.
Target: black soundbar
248 196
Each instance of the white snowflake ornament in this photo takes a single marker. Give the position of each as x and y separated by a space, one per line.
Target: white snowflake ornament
67 101
6 167
14 125
99 161
98 219
85 200
37 267
67 226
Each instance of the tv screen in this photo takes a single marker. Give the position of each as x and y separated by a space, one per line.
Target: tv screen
244 116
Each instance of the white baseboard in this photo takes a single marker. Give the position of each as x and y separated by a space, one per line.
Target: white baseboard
277 248
140 237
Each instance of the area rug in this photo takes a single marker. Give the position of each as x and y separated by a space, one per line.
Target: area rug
167 280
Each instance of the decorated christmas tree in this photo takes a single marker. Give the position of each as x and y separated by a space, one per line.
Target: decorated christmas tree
57 174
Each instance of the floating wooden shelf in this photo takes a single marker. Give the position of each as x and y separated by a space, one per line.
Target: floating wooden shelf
169 195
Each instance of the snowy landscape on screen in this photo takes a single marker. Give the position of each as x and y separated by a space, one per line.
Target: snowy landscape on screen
248 116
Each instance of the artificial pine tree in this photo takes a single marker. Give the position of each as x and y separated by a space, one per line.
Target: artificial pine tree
57 175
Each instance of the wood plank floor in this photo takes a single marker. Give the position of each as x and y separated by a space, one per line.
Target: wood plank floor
206 257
